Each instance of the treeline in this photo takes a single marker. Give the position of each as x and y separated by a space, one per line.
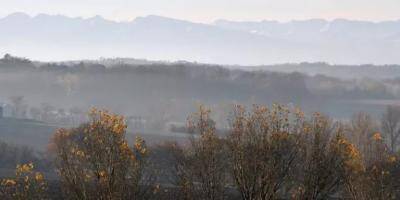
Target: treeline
279 83
267 153
140 89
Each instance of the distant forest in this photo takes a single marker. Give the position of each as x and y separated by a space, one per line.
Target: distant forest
138 87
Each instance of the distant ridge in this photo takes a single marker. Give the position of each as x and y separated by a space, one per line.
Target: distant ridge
340 41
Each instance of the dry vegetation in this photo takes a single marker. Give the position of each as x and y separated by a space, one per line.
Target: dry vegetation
267 153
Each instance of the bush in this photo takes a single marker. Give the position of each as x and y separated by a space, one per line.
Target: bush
27 184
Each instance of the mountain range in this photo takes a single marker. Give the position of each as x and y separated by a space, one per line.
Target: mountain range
340 41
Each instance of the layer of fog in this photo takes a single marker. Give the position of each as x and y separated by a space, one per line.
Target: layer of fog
46 37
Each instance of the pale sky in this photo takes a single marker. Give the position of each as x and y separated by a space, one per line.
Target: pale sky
210 10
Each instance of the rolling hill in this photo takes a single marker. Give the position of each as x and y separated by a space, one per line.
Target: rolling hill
56 37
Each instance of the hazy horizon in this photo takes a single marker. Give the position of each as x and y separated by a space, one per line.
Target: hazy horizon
59 38
207 11
211 22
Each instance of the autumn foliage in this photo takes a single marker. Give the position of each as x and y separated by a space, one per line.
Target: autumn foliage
271 152
27 184
94 161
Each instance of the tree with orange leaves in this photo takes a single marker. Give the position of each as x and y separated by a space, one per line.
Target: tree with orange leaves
94 161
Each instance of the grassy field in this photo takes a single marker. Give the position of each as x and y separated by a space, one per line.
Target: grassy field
26 132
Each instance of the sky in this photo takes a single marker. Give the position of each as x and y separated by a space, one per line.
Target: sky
207 11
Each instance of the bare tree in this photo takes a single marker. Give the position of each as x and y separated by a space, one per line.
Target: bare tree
391 126
263 146
200 169
360 130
